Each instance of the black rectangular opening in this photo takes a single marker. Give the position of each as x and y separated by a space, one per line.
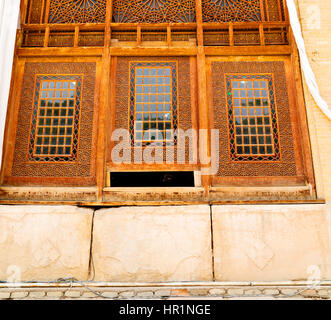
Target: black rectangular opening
152 179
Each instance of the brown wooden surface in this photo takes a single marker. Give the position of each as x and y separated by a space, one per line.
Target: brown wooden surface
200 55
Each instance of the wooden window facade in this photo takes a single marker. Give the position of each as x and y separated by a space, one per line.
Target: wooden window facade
84 69
54 134
153 103
252 118
156 11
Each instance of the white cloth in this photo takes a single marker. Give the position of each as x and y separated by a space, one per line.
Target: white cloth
9 15
305 65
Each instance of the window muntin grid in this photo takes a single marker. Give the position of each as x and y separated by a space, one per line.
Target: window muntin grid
55 123
253 128
153 103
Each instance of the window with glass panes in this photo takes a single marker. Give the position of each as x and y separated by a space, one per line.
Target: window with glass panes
153 103
252 117
55 123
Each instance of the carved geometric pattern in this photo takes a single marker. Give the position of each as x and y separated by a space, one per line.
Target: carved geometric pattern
54 131
77 11
155 108
61 172
252 118
231 10
153 11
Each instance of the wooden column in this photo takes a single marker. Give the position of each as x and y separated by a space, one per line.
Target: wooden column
104 105
24 11
169 36
46 12
204 146
298 92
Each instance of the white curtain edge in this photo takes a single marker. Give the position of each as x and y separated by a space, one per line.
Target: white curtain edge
306 68
9 18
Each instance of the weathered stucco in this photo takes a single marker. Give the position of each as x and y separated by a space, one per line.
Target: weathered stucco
315 18
153 244
44 242
170 243
272 242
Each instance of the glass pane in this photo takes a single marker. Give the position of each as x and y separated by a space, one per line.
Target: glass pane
251 117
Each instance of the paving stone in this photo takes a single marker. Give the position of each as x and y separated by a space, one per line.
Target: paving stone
252 292
55 294
19 294
37 294
145 294
309 293
324 293
127 294
72 294
4 295
290 291
162 293
216 292
179 292
110 294
89 294
271 291
198 292
235 291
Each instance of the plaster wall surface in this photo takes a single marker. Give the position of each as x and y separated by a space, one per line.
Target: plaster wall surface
170 243
272 242
44 242
315 18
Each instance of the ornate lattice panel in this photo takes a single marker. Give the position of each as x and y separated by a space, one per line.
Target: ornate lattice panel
124 114
153 103
55 138
77 11
256 138
153 11
231 10
252 118
54 131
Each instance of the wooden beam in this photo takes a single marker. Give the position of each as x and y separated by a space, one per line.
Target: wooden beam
262 10
65 26
138 36
204 146
231 36
261 31
248 50
103 105
76 40
24 11
47 11
46 37
198 12
159 203
109 10
302 115
134 51
169 36
58 52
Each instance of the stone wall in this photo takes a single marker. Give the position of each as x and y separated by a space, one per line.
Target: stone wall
233 291
315 18
168 243
42 243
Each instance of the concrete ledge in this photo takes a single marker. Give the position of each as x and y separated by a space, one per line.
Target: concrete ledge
154 194
210 291
272 242
44 242
261 193
152 244
48 193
